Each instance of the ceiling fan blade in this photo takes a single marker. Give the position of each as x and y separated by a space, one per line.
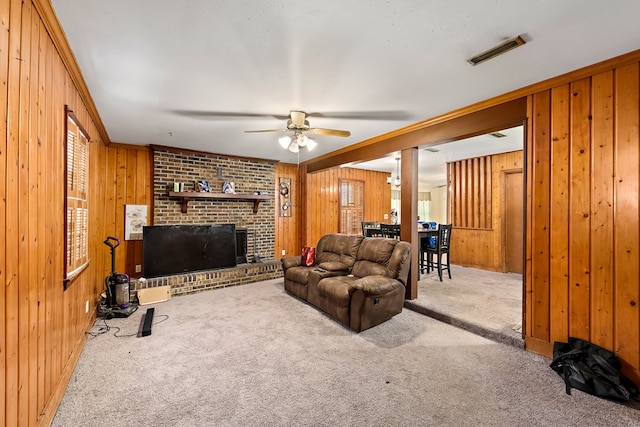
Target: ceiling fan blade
330 132
225 114
267 130
364 115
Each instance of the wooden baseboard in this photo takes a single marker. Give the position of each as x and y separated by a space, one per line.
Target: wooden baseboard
538 346
49 411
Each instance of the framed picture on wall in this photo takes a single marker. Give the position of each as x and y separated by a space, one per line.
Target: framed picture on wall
135 217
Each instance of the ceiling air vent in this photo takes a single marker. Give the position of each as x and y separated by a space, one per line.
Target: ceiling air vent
498 135
502 48
433 150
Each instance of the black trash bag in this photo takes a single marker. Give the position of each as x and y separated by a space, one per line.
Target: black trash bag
592 369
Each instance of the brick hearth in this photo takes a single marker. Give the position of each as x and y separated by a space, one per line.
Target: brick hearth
198 281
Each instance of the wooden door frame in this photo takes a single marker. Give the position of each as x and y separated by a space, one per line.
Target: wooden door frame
499 113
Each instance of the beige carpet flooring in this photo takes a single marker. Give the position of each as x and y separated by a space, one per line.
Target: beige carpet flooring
484 302
253 355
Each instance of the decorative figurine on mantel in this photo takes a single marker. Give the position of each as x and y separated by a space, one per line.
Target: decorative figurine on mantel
202 186
228 187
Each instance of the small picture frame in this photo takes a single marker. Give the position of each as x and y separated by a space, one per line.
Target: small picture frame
202 186
228 187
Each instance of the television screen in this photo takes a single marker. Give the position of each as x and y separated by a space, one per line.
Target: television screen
175 249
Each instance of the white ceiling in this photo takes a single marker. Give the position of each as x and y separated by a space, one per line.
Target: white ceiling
151 65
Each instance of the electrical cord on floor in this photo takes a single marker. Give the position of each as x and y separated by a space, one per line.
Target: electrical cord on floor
166 317
103 329
115 334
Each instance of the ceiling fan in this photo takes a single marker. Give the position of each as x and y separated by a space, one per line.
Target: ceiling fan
298 124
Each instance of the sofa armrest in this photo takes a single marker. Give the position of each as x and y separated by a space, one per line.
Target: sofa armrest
291 261
335 266
374 285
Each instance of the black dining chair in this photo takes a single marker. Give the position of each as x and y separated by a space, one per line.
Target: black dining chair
438 250
426 241
368 224
391 231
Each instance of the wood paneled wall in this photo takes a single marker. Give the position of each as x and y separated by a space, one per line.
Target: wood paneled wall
583 237
128 174
128 171
42 327
471 190
480 247
323 204
286 236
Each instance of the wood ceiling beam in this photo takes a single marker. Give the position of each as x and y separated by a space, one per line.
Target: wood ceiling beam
430 132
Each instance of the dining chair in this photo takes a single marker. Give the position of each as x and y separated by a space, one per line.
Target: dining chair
368 224
391 231
438 250
428 240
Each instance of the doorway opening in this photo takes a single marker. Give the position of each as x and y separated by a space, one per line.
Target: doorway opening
484 190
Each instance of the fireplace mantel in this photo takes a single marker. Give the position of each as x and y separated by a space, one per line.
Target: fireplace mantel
188 195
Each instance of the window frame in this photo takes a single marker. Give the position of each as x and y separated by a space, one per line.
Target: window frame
76 195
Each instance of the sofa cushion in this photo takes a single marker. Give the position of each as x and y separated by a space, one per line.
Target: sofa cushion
298 274
373 258
338 247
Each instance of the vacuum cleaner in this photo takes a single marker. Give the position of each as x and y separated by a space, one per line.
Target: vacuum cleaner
117 296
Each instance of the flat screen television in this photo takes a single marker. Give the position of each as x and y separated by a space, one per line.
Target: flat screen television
176 249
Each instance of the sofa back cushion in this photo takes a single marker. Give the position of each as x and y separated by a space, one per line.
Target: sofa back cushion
385 257
338 247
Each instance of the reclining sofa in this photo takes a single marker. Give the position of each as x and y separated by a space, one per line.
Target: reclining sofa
359 281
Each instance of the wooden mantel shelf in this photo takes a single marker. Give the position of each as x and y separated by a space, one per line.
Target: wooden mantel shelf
188 195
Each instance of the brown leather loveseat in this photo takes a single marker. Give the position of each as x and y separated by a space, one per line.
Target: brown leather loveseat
359 281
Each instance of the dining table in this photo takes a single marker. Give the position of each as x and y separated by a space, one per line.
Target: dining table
375 232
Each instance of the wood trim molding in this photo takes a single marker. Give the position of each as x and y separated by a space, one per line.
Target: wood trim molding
51 23
154 147
539 346
129 146
432 131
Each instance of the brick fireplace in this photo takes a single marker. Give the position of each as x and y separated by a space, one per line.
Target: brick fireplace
249 176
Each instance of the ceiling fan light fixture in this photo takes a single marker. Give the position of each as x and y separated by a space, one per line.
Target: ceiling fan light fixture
284 141
297 141
293 147
301 140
